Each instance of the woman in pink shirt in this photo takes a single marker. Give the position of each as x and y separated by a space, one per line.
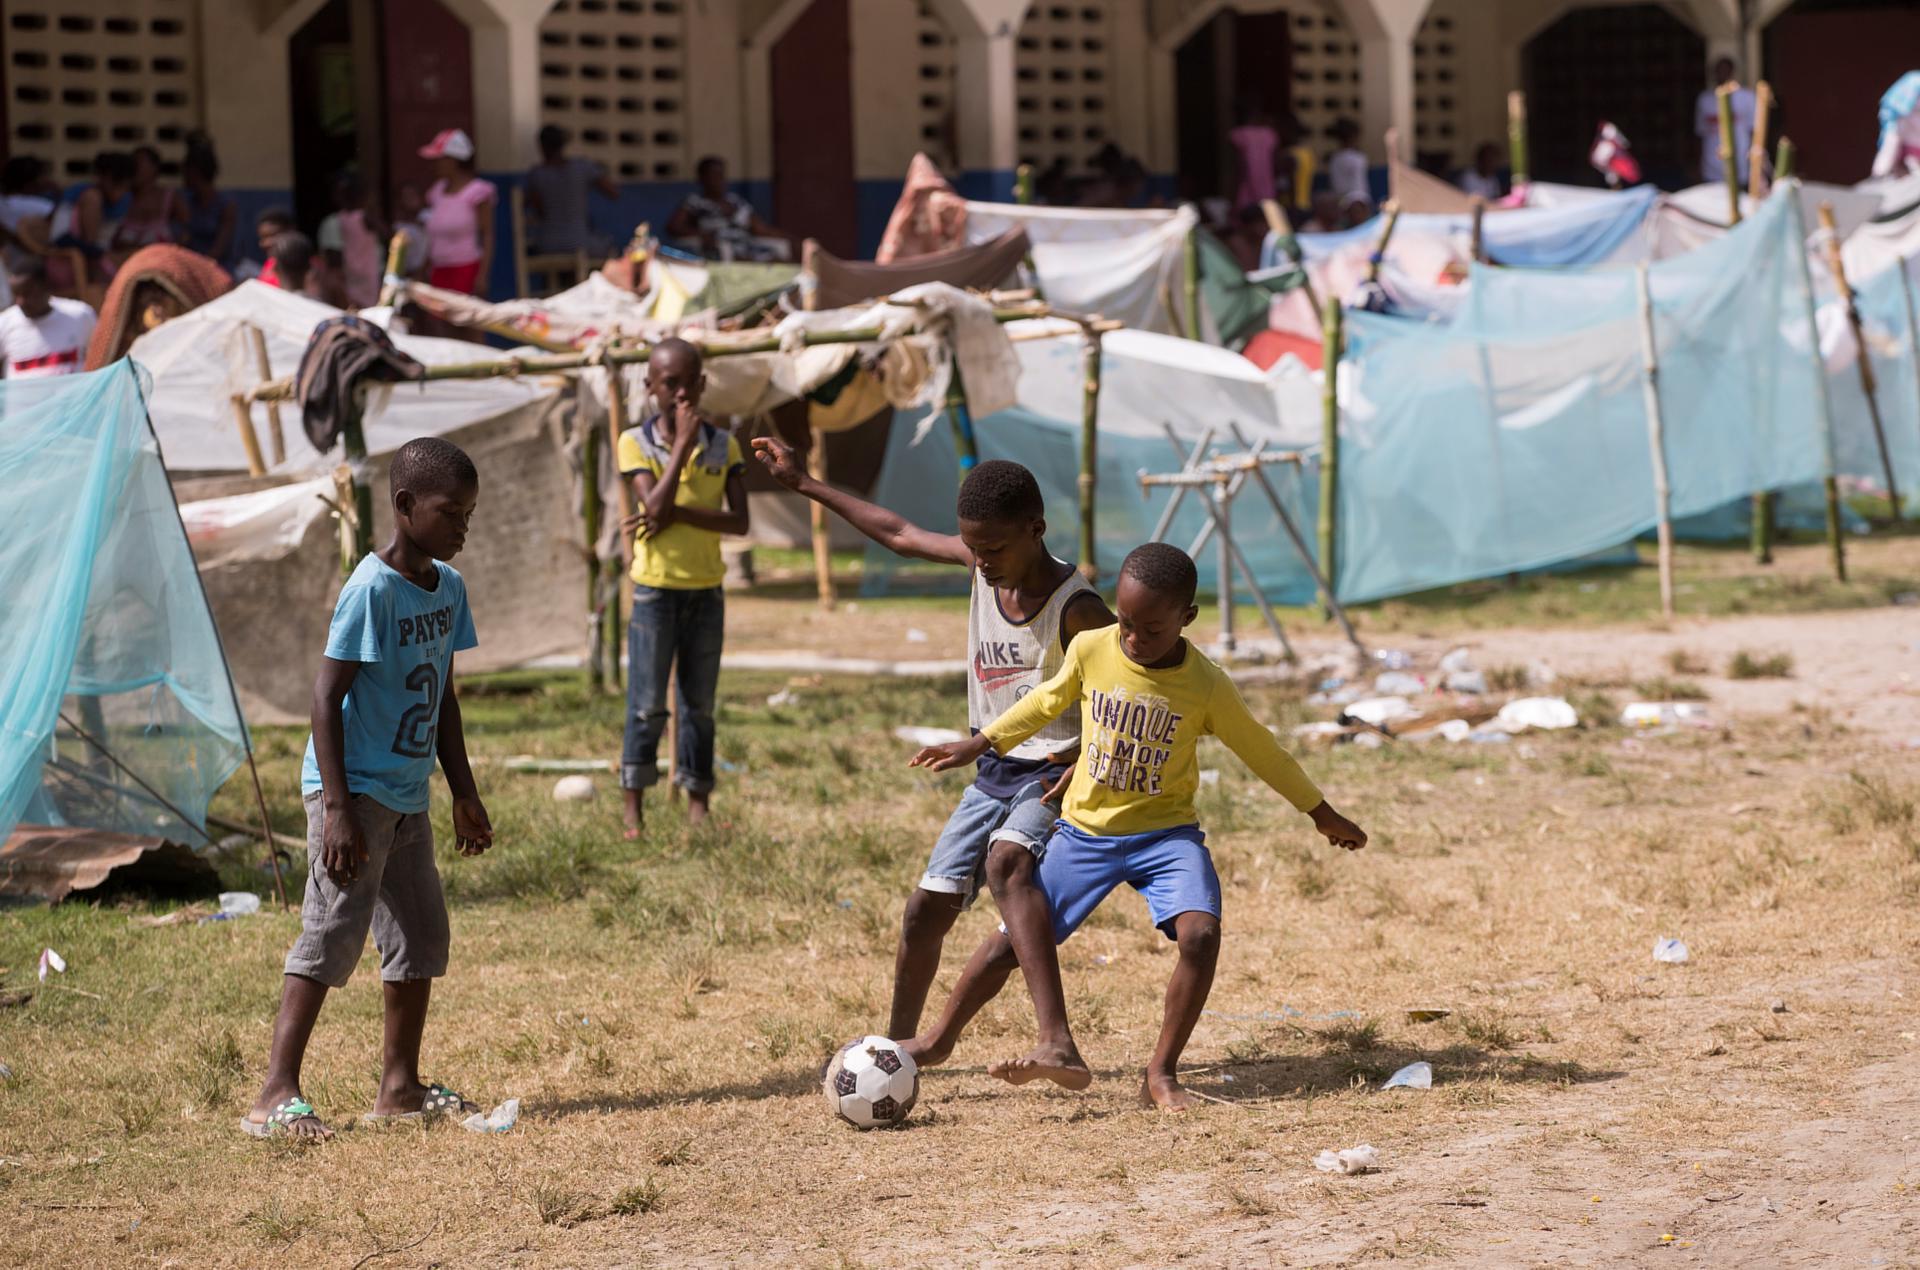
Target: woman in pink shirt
459 216
1256 141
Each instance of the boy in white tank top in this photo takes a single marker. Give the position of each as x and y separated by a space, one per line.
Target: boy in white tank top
1025 609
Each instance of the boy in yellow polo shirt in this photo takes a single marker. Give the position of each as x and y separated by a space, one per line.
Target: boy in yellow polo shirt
683 469
1146 697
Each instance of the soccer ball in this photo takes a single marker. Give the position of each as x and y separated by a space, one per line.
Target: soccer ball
871 1083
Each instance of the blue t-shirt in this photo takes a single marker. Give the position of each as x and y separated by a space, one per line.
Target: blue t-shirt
404 637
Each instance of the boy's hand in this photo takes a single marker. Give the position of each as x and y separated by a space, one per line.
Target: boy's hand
1337 829
1058 790
782 464
647 526
686 422
472 831
343 848
944 758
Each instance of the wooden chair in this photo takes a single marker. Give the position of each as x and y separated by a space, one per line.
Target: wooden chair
556 270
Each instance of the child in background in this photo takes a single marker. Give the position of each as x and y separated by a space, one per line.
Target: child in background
267 228
1146 697
1026 607
1347 169
384 709
683 469
351 247
291 266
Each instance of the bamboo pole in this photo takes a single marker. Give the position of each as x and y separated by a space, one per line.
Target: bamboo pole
353 443
616 424
1282 229
396 255
1837 266
1023 185
1757 150
1823 408
1222 509
1479 230
591 509
249 440
1656 439
1763 500
1783 161
1517 137
276 435
822 545
961 420
1723 97
1190 267
1330 441
1089 445
1379 256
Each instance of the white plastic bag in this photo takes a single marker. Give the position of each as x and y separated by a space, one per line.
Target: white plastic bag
1360 1159
1412 1076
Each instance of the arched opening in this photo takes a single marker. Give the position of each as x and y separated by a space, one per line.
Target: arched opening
811 76
1235 64
1832 118
1636 66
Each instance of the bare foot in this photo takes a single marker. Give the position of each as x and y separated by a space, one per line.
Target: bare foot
308 1128
696 808
631 833
1059 1063
1161 1090
925 1052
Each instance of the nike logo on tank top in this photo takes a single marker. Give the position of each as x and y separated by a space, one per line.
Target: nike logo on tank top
1006 660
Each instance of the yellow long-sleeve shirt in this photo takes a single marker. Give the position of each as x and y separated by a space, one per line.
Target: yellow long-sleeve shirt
1139 733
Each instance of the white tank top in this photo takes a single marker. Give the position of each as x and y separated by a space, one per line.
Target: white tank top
1009 659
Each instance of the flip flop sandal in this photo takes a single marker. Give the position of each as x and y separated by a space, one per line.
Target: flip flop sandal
440 1101
280 1121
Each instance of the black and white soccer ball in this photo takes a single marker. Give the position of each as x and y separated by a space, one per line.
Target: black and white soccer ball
871 1083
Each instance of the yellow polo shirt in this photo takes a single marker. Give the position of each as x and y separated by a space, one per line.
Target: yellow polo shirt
682 557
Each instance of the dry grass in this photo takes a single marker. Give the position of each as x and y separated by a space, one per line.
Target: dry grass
1749 665
663 1008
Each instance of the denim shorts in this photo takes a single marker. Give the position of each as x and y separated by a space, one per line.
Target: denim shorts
958 865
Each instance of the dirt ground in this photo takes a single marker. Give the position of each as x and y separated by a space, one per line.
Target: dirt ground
663 1008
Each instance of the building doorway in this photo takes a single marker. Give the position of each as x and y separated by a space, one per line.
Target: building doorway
372 81
1831 117
812 74
1637 67
1235 65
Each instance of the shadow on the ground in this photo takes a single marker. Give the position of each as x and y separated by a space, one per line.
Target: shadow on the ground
1338 1069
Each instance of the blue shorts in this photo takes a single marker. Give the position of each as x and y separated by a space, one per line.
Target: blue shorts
1172 868
958 865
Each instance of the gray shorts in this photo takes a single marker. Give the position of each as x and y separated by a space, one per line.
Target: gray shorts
397 894
958 865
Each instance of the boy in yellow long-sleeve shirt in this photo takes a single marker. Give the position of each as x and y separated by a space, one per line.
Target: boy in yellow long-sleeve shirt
1146 697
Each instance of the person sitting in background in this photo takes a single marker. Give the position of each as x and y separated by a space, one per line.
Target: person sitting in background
350 244
459 217
89 219
1482 180
1326 214
719 224
1347 168
42 334
24 214
1246 237
267 228
149 207
558 189
204 219
291 265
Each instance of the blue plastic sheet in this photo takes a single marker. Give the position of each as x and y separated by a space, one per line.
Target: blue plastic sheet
1585 233
106 623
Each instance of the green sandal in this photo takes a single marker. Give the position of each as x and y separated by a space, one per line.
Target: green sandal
440 1101
281 1120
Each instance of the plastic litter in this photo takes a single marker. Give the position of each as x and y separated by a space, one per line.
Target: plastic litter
1664 714
51 960
784 697
6 1073
928 736
1457 660
1489 736
1431 1014
1412 1076
1392 659
1453 730
1540 675
1310 730
1671 951
1379 710
239 903
1468 681
915 635
1399 683
1341 697
499 1120
1550 713
1329 685
1360 1159
527 763
573 789
1369 740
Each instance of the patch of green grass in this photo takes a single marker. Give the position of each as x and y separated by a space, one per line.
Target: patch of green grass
1747 665
1684 661
644 1196
1663 688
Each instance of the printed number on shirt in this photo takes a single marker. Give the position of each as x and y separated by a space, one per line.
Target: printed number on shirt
415 735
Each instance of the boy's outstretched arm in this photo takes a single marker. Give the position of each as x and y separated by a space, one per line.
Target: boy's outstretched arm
894 532
1229 719
472 831
1018 722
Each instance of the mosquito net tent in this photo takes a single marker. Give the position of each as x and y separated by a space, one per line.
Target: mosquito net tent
116 712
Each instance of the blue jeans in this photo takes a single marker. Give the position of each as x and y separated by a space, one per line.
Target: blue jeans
668 628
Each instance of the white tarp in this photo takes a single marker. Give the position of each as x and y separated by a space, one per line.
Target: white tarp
267 524
200 359
1123 265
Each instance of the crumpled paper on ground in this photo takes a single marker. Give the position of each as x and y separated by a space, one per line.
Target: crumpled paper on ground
1360 1159
499 1120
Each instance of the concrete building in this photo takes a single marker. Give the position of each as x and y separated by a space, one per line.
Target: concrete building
817 105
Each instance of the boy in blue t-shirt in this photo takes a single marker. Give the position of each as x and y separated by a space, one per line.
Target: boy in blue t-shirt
383 709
